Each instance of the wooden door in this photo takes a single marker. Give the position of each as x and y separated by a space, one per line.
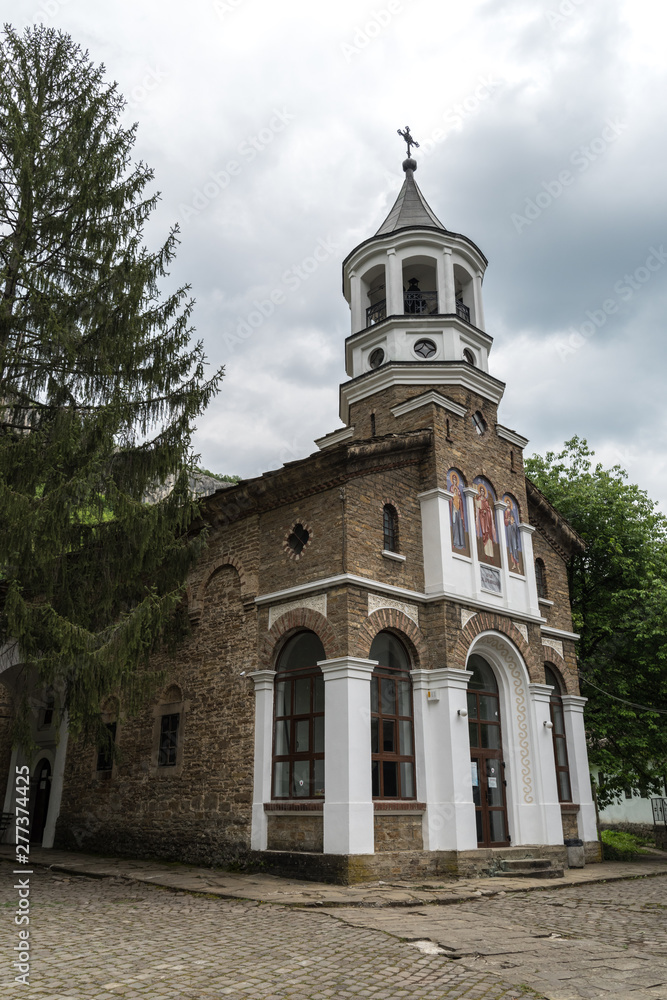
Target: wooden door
486 753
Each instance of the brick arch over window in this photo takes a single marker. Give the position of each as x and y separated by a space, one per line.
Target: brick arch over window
404 628
562 670
485 622
196 593
290 623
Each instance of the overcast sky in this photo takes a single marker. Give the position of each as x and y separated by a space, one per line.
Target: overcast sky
542 131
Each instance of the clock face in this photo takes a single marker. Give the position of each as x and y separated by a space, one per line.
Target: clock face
376 358
425 348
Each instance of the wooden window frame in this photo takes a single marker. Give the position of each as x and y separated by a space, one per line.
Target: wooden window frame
555 709
541 579
313 673
381 757
390 533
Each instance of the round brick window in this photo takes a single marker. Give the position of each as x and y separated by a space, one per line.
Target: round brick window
298 539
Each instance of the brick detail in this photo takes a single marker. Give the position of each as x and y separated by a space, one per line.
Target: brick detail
488 622
197 592
292 622
391 620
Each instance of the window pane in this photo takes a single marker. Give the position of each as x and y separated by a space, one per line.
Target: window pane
388 736
405 738
407 780
494 783
318 696
488 707
497 824
303 650
490 737
281 779
404 706
472 705
282 737
302 696
301 779
480 832
390 779
302 736
318 734
375 777
564 790
283 698
557 717
473 730
389 652
388 696
375 741
319 778
374 694
561 752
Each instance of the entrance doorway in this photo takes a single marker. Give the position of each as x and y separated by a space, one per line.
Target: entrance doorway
486 753
39 794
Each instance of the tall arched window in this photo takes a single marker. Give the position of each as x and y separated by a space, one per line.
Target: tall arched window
298 740
558 732
541 578
392 738
390 525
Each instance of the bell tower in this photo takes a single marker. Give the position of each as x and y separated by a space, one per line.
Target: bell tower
415 295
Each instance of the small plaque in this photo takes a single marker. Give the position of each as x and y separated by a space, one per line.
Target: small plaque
492 782
490 577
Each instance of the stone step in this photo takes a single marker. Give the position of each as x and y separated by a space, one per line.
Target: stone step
507 864
531 868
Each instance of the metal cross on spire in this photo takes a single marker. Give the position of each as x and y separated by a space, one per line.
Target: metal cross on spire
408 138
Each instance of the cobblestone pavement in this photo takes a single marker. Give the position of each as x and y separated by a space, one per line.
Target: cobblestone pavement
606 940
101 939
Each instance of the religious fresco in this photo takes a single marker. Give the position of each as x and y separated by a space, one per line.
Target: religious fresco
488 546
458 513
513 535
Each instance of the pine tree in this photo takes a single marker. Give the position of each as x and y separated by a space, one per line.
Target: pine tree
100 385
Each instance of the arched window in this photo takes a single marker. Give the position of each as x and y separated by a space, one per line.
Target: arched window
298 740
392 740
390 525
558 732
541 579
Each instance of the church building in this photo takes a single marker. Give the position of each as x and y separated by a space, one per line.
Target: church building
380 678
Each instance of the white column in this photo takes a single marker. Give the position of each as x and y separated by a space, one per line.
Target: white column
448 273
436 540
529 566
500 508
479 308
348 793
57 781
580 779
357 306
442 757
545 766
470 494
394 284
261 791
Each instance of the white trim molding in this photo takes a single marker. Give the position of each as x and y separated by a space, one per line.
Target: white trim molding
508 435
429 397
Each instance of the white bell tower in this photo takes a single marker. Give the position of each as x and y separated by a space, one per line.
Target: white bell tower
415 291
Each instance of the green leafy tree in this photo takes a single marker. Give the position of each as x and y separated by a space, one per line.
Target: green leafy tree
100 385
618 588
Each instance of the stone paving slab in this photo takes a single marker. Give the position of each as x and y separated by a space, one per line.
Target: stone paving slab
110 938
591 941
292 892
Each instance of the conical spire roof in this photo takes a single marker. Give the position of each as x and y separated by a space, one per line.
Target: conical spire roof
410 208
